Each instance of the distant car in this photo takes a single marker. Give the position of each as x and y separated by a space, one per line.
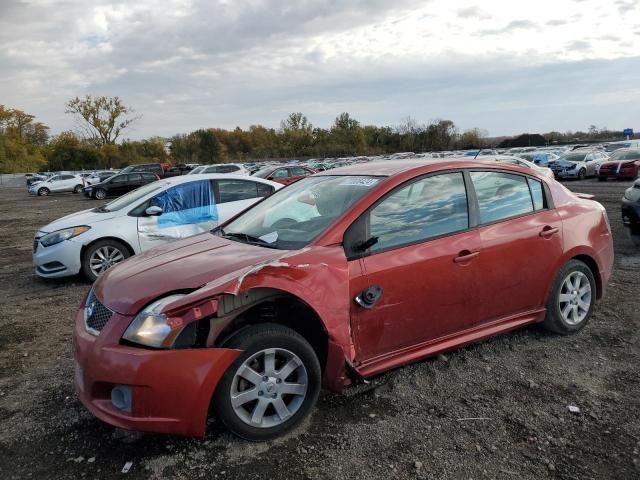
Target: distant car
98 177
519 161
284 174
57 184
389 263
119 185
156 168
624 163
631 210
578 164
93 240
234 168
541 159
613 146
480 153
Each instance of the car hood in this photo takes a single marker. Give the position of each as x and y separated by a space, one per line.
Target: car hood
183 265
85 217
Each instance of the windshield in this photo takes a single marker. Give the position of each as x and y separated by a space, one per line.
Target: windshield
291 218
131 197
627 155
263 173
573 157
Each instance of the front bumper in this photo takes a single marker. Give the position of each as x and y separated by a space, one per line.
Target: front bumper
564 173
56 261
171 389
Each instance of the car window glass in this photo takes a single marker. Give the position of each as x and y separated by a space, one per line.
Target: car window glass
230 168
191 202
536 193
118 179
424 209
264 190
66 177
235 190
54 179
280 173
298 172
135 177
501 195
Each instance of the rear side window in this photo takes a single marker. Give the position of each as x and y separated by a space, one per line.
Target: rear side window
537 194
187 203
501 195
424 209
236 190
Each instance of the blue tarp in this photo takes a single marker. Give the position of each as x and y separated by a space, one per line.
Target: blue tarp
192 202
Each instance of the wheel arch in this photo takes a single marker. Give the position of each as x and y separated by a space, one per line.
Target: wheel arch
590 262
111 237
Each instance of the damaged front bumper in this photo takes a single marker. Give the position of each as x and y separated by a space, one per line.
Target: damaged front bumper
169 390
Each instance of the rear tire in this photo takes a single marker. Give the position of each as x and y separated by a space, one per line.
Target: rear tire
572 299
43 192
260 399
100 194
102 255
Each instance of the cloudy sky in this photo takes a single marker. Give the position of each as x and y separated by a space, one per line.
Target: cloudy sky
504 66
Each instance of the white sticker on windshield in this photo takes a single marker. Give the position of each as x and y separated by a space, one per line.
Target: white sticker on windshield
270 237
359 181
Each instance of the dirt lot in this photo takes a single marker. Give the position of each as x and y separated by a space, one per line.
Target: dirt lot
494 410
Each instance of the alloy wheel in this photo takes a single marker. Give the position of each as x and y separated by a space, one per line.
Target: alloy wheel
269 388
575 298
104 258
100 194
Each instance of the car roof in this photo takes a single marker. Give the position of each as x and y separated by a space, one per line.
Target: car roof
390 168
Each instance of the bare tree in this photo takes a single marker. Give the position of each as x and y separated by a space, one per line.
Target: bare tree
102 119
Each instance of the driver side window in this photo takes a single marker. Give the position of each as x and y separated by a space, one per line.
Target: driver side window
427 208
280 173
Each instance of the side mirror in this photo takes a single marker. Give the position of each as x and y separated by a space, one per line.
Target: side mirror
270 178
153 211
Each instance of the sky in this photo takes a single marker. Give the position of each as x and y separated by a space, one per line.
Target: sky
507 67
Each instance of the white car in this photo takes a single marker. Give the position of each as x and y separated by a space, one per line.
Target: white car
57 183
519 161
99 176
235 168
93 240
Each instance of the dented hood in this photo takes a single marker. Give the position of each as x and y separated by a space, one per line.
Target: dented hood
184 265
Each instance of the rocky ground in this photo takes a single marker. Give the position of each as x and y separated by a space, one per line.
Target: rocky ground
494 410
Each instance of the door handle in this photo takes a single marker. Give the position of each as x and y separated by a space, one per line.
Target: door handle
465 256
548 231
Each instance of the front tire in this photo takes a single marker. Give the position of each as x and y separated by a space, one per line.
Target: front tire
582 174
572 299
100 194
43 192
272 386
77 189
101 256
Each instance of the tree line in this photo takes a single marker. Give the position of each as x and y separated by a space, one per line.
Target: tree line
25 144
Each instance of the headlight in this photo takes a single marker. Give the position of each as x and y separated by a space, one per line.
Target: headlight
572 167
151 327
60 235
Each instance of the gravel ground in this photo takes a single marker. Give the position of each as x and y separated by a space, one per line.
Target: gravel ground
494 410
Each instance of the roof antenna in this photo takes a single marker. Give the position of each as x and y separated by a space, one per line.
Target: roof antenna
477 153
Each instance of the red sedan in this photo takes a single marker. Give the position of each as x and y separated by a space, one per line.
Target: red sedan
285 174
341 276
623 164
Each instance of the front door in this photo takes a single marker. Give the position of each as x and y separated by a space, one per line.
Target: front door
422 264
187 209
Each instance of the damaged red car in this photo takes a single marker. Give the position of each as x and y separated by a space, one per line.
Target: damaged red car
338 277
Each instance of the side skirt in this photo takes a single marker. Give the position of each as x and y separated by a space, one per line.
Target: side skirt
404 356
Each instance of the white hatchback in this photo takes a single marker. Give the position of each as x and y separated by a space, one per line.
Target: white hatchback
93 240
57 183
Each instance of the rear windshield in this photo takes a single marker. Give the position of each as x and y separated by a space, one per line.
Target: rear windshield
626 155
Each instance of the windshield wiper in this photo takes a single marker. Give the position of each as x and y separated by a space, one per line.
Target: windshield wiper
248 239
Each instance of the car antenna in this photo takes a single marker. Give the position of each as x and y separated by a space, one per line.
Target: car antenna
477 153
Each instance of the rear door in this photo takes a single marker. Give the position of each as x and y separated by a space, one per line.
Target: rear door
187 209
521 236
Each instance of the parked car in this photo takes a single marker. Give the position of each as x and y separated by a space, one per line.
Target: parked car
519 161
57 184
542 159
285 175
613 146
578 164
631 211
98 177
624 163
119 184
334 279
91 241
235 168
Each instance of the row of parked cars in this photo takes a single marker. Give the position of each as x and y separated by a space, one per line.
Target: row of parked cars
239 295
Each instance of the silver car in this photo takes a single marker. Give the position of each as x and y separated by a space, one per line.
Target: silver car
578 164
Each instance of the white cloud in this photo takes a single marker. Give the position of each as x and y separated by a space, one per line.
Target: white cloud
188 64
